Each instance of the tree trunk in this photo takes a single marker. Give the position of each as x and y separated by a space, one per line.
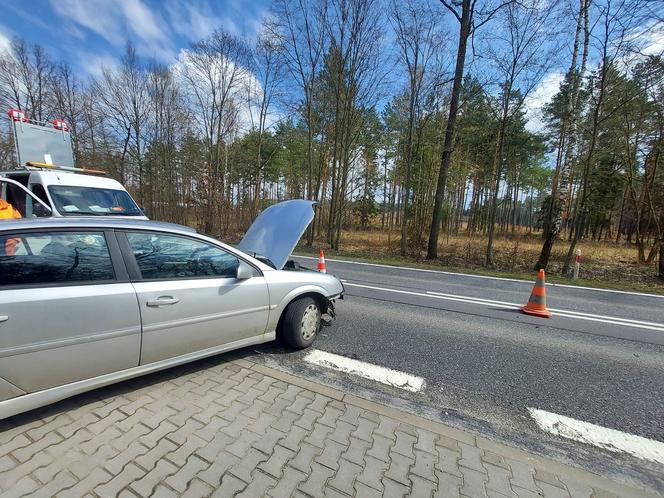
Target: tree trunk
661 259
496 172
464 33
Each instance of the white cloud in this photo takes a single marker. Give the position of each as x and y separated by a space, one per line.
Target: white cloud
648 39
144 23
97 16
542 95
94 63
5 41
117 21
196 20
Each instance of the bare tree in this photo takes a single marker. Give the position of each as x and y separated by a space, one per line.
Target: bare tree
124 104
25 75
353 71
419 38
214 75
66 92
166 120
262 88
300 27
521 60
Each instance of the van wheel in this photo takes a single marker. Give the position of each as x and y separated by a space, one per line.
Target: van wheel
301 322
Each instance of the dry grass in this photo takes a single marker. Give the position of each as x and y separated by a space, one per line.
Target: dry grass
604 264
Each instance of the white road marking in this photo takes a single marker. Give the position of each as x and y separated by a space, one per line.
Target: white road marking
556 311
609 439
425 270
367 370
502 304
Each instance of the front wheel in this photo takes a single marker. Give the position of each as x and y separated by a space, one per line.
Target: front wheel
301 322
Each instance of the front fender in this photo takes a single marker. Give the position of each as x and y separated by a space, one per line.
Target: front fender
276 310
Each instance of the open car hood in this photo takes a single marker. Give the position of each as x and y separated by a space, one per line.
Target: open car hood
277 230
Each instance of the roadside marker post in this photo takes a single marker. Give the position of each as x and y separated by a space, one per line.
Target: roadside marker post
577 265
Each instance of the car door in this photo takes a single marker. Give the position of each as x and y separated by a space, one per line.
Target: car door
67 309
189 296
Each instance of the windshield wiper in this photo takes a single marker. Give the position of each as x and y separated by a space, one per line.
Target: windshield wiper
86 213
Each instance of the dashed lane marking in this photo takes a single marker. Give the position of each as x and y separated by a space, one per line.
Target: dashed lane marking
369 371
602 437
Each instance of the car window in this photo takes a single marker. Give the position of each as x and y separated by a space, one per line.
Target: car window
17 198
161 256
54 257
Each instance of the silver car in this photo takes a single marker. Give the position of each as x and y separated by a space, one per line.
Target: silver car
90 301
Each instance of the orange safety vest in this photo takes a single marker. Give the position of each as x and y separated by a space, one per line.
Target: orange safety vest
7 211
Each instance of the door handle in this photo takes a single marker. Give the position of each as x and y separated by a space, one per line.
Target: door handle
162 301
3 318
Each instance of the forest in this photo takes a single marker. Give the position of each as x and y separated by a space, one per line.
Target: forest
422 128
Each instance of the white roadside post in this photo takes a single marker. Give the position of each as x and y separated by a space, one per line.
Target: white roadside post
577 264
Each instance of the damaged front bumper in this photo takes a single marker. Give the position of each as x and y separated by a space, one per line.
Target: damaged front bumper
330 312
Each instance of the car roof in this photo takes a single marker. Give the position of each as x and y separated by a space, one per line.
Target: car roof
93 222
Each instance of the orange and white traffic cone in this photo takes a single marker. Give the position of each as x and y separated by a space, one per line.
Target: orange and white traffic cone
321 262
537 303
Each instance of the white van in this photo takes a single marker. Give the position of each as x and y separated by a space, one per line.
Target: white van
48 182
66 194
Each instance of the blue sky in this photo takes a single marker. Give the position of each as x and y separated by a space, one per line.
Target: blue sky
92 33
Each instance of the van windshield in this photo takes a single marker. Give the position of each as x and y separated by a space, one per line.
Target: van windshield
92 201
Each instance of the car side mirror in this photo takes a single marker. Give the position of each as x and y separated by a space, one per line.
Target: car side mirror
244 271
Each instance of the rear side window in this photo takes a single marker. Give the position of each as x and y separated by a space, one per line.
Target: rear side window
54 257
161 256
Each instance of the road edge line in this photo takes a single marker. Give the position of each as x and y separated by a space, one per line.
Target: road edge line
473 275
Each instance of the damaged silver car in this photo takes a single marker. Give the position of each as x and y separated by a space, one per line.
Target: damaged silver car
87 302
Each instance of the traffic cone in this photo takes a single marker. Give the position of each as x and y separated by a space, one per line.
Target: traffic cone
321 262
537 302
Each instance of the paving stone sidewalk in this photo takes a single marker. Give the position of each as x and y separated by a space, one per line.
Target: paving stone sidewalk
225 428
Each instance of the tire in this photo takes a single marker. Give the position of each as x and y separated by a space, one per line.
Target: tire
301 322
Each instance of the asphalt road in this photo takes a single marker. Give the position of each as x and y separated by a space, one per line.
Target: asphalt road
484 363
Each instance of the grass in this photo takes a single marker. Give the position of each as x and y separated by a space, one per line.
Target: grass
604 264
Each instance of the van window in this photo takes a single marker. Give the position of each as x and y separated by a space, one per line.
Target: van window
54 257
92 201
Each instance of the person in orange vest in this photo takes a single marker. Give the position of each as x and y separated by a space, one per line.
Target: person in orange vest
7 211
